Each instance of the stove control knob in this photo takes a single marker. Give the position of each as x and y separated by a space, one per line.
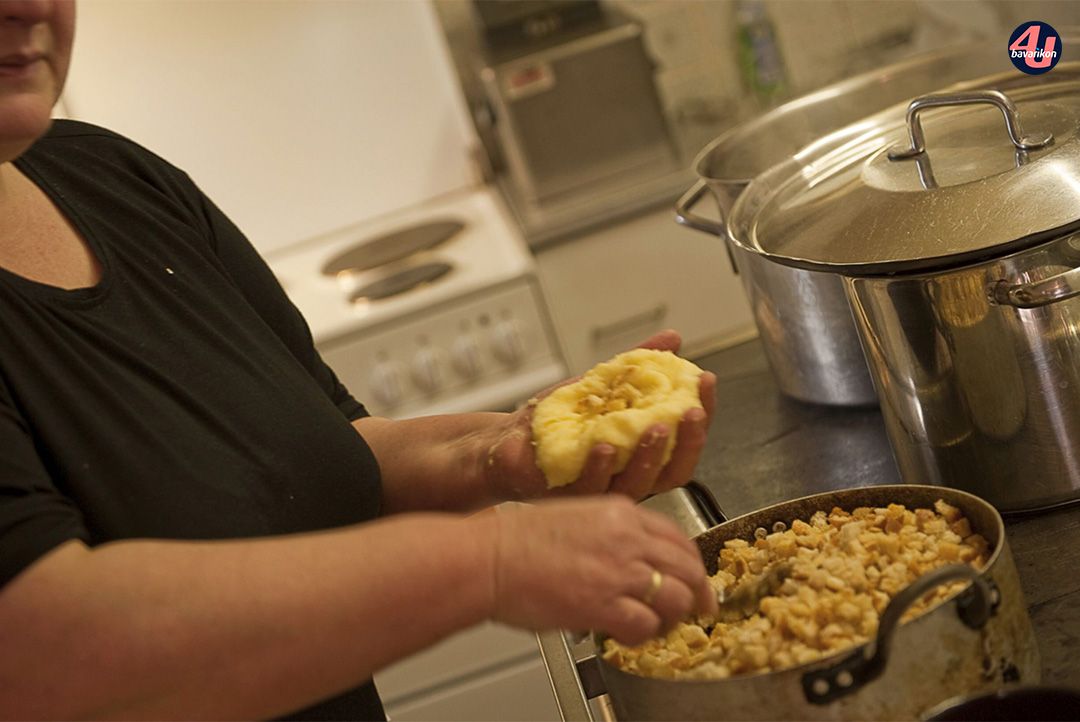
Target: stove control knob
427 370
385 383
466 356
507 343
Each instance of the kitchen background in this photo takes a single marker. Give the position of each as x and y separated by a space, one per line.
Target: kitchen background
546 239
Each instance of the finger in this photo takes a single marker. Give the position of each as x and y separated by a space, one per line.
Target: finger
657 525
695 596
630 621
664 560
700 596
707 391
640 474
639 580
666 340
674 554
596 475
672 559
668 594
673 602
690 441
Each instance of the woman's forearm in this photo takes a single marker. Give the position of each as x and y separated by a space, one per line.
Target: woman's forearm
235 629
435 462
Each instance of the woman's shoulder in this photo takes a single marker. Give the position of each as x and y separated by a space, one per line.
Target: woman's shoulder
76 147
91 138
67 128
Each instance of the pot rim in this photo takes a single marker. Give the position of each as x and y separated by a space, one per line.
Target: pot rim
748 131
923 268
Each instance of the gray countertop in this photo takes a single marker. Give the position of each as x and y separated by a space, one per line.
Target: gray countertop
764 448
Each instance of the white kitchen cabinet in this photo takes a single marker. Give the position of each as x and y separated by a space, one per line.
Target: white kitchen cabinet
490 673
610 288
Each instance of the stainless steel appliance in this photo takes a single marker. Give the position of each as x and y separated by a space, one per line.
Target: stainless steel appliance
802 315
576 107
956 234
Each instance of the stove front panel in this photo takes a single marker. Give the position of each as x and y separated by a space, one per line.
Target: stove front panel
485 352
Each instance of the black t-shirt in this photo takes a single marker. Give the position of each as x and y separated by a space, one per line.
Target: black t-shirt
181 397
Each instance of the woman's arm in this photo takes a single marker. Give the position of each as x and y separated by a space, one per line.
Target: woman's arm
260 628
236 629
435 462
460 462
467 461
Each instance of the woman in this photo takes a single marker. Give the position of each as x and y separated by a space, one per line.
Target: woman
196 519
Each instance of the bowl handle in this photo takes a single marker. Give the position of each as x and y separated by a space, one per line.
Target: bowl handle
975 605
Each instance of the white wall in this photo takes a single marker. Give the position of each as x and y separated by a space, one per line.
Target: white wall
296 116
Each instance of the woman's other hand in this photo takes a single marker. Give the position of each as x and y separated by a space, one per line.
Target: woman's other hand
600 563
513 472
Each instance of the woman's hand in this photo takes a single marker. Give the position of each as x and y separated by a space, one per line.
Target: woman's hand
513 472
601 563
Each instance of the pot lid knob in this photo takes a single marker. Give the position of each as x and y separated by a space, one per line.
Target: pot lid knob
917 139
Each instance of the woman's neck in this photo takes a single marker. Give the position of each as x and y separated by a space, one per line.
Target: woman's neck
7 191
37 241
10 195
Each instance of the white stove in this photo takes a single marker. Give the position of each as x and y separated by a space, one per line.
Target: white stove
432 309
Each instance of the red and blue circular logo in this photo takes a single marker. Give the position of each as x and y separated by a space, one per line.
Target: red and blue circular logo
1035 47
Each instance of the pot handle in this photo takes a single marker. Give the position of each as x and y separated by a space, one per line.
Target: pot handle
1039 293
1002 102
975 606
686 217
684 214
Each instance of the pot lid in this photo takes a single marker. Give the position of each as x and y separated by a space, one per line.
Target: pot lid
945 180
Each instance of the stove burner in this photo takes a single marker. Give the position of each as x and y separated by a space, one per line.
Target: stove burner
401 281
393 246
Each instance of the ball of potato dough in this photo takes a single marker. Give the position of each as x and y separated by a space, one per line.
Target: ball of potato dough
613 403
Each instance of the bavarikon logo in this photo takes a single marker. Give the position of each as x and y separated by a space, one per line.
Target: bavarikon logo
1035 47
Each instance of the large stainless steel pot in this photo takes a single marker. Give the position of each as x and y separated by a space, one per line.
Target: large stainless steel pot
977 641
802 316
959 250
980 373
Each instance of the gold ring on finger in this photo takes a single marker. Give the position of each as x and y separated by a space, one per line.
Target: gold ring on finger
655 581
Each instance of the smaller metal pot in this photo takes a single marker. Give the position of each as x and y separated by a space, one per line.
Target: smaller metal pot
975 642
